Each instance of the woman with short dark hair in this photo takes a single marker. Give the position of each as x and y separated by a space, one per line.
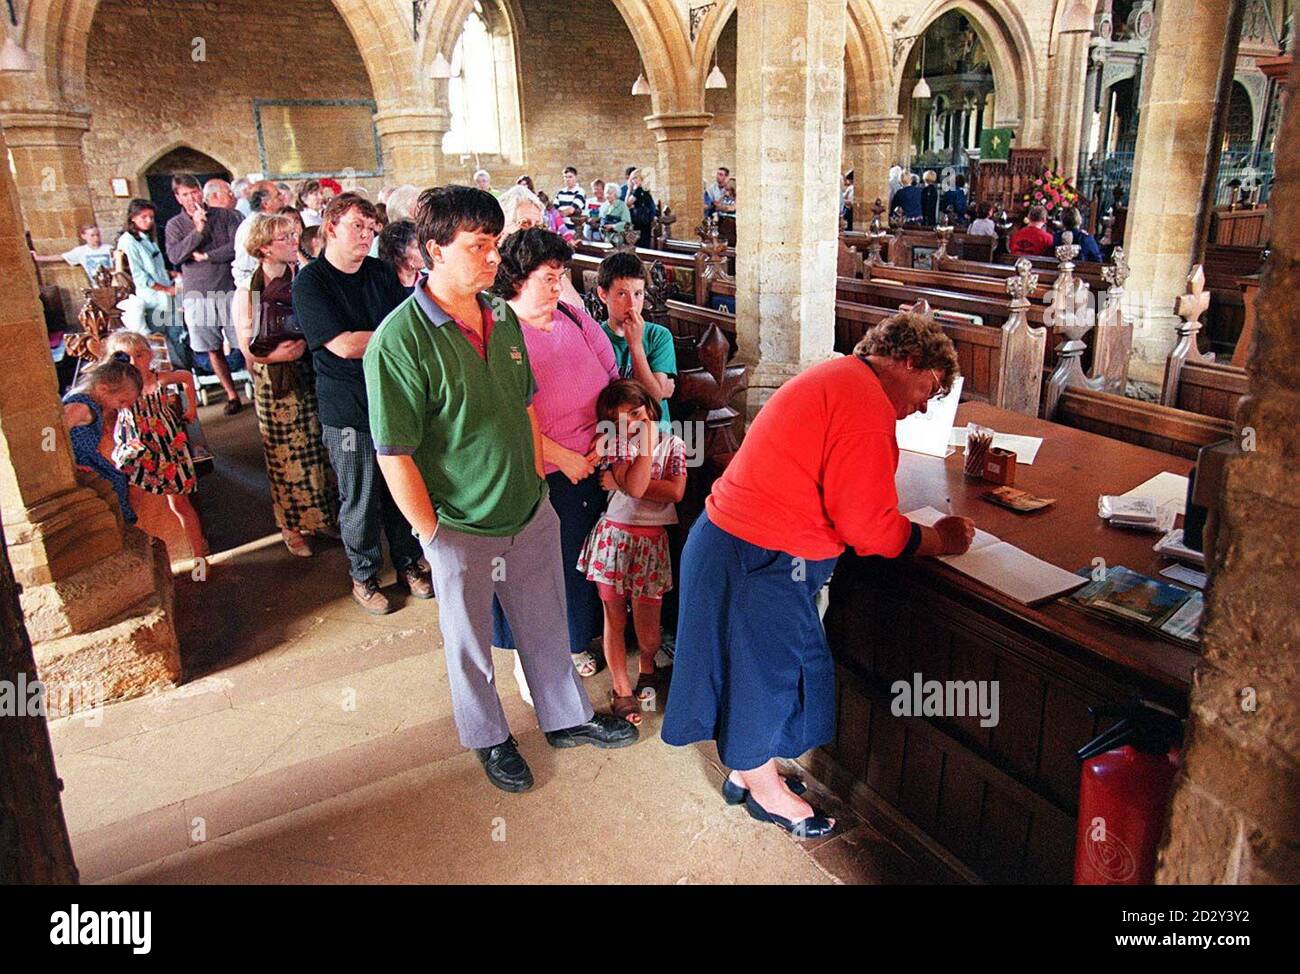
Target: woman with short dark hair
399 248
572 360
814 475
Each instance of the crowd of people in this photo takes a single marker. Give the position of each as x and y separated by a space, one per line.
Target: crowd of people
426 373
920 200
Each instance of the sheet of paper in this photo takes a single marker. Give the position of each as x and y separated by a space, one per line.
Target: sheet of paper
1188 576
1164 488
926 516
1024 447
1005 567
1015 573
929 432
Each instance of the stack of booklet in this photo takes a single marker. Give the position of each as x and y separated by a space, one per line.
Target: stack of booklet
1136 512
1127 596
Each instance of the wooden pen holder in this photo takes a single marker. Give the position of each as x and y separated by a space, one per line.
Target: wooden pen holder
1000 467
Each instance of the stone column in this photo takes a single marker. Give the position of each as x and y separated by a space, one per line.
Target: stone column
1068 91
871 149
1177 110
50 173
789 134
679 137
97 604
411 142
1234 811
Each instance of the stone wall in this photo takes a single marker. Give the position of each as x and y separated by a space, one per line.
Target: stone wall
1236 807
148 94
578 62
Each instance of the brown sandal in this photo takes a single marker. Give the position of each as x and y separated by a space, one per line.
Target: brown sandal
625 707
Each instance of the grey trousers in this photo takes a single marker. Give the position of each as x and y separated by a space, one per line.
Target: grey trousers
526 574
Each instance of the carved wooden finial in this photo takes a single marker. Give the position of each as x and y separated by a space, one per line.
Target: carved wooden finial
1116 272
877 209
1192 305
103 277
1068 249
1024 282
921 307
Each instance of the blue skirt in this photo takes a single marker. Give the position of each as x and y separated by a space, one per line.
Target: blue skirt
752 669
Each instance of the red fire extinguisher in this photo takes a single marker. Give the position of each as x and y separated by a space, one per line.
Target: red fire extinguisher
1124 794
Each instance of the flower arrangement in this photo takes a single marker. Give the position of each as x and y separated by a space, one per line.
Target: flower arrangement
1052 191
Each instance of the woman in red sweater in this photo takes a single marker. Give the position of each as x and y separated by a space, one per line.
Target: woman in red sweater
815 474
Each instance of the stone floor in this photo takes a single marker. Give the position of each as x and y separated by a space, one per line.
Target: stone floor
313 743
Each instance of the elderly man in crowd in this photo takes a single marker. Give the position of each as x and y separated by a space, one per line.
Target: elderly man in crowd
240 188
200 240
340 298
264 198
218 192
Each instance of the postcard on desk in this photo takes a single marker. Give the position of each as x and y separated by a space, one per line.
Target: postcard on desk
930 432
1127 596
1004 567
1020 501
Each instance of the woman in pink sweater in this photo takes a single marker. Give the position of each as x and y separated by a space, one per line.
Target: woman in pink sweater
572 361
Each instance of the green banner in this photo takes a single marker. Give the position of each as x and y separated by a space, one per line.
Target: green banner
995 144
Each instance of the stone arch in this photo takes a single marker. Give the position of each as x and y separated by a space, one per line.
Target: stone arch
165 145
1003 33
60 31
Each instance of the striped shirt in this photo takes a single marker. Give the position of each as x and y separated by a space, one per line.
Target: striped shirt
571 197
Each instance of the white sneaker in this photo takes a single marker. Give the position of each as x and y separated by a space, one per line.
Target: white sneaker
524 692
667 649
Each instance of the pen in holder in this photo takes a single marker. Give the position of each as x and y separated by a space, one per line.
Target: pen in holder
978 441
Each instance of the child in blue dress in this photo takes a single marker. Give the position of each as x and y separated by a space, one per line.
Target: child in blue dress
103 389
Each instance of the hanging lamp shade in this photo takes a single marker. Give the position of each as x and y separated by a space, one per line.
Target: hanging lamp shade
441 67
641 86
716 78
922 89
13 57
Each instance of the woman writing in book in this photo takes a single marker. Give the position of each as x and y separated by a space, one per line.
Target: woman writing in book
814 475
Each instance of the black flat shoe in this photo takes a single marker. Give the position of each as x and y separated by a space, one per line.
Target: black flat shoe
505 766
812 827
603 730
733 794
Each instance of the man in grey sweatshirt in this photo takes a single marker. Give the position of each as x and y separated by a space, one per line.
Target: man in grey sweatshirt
201 243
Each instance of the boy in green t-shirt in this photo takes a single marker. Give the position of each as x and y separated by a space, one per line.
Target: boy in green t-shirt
450 392
643 350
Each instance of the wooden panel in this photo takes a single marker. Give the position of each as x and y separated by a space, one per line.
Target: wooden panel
885 763
918 793
1049 852
1212 389
1146 424
1067 726
853 737
1004 835
1015 738
961 803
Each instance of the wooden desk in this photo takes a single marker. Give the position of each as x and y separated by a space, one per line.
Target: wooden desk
996 803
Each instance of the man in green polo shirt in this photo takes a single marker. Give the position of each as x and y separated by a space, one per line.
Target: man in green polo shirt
450 392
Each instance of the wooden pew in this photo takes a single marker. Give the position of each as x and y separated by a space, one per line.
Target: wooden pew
1225 317
990 286
1148 424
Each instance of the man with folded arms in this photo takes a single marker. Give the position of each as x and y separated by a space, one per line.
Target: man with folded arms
450 392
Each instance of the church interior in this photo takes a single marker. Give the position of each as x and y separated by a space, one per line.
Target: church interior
1094 203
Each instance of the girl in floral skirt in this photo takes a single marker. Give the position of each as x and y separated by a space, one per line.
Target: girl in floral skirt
626 554
151 445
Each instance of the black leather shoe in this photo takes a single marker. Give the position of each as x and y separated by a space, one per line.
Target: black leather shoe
603 730
505 766
812 827
733 794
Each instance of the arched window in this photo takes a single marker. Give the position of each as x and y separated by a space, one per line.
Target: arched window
482 92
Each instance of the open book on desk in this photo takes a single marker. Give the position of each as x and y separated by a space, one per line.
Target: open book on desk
1004 567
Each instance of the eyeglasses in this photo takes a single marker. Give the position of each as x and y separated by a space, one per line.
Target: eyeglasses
288 238
938 383
358 227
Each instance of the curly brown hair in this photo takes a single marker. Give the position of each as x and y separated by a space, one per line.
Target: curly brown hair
911 336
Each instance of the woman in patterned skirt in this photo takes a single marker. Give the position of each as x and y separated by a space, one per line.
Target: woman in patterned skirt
150 442
302 493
